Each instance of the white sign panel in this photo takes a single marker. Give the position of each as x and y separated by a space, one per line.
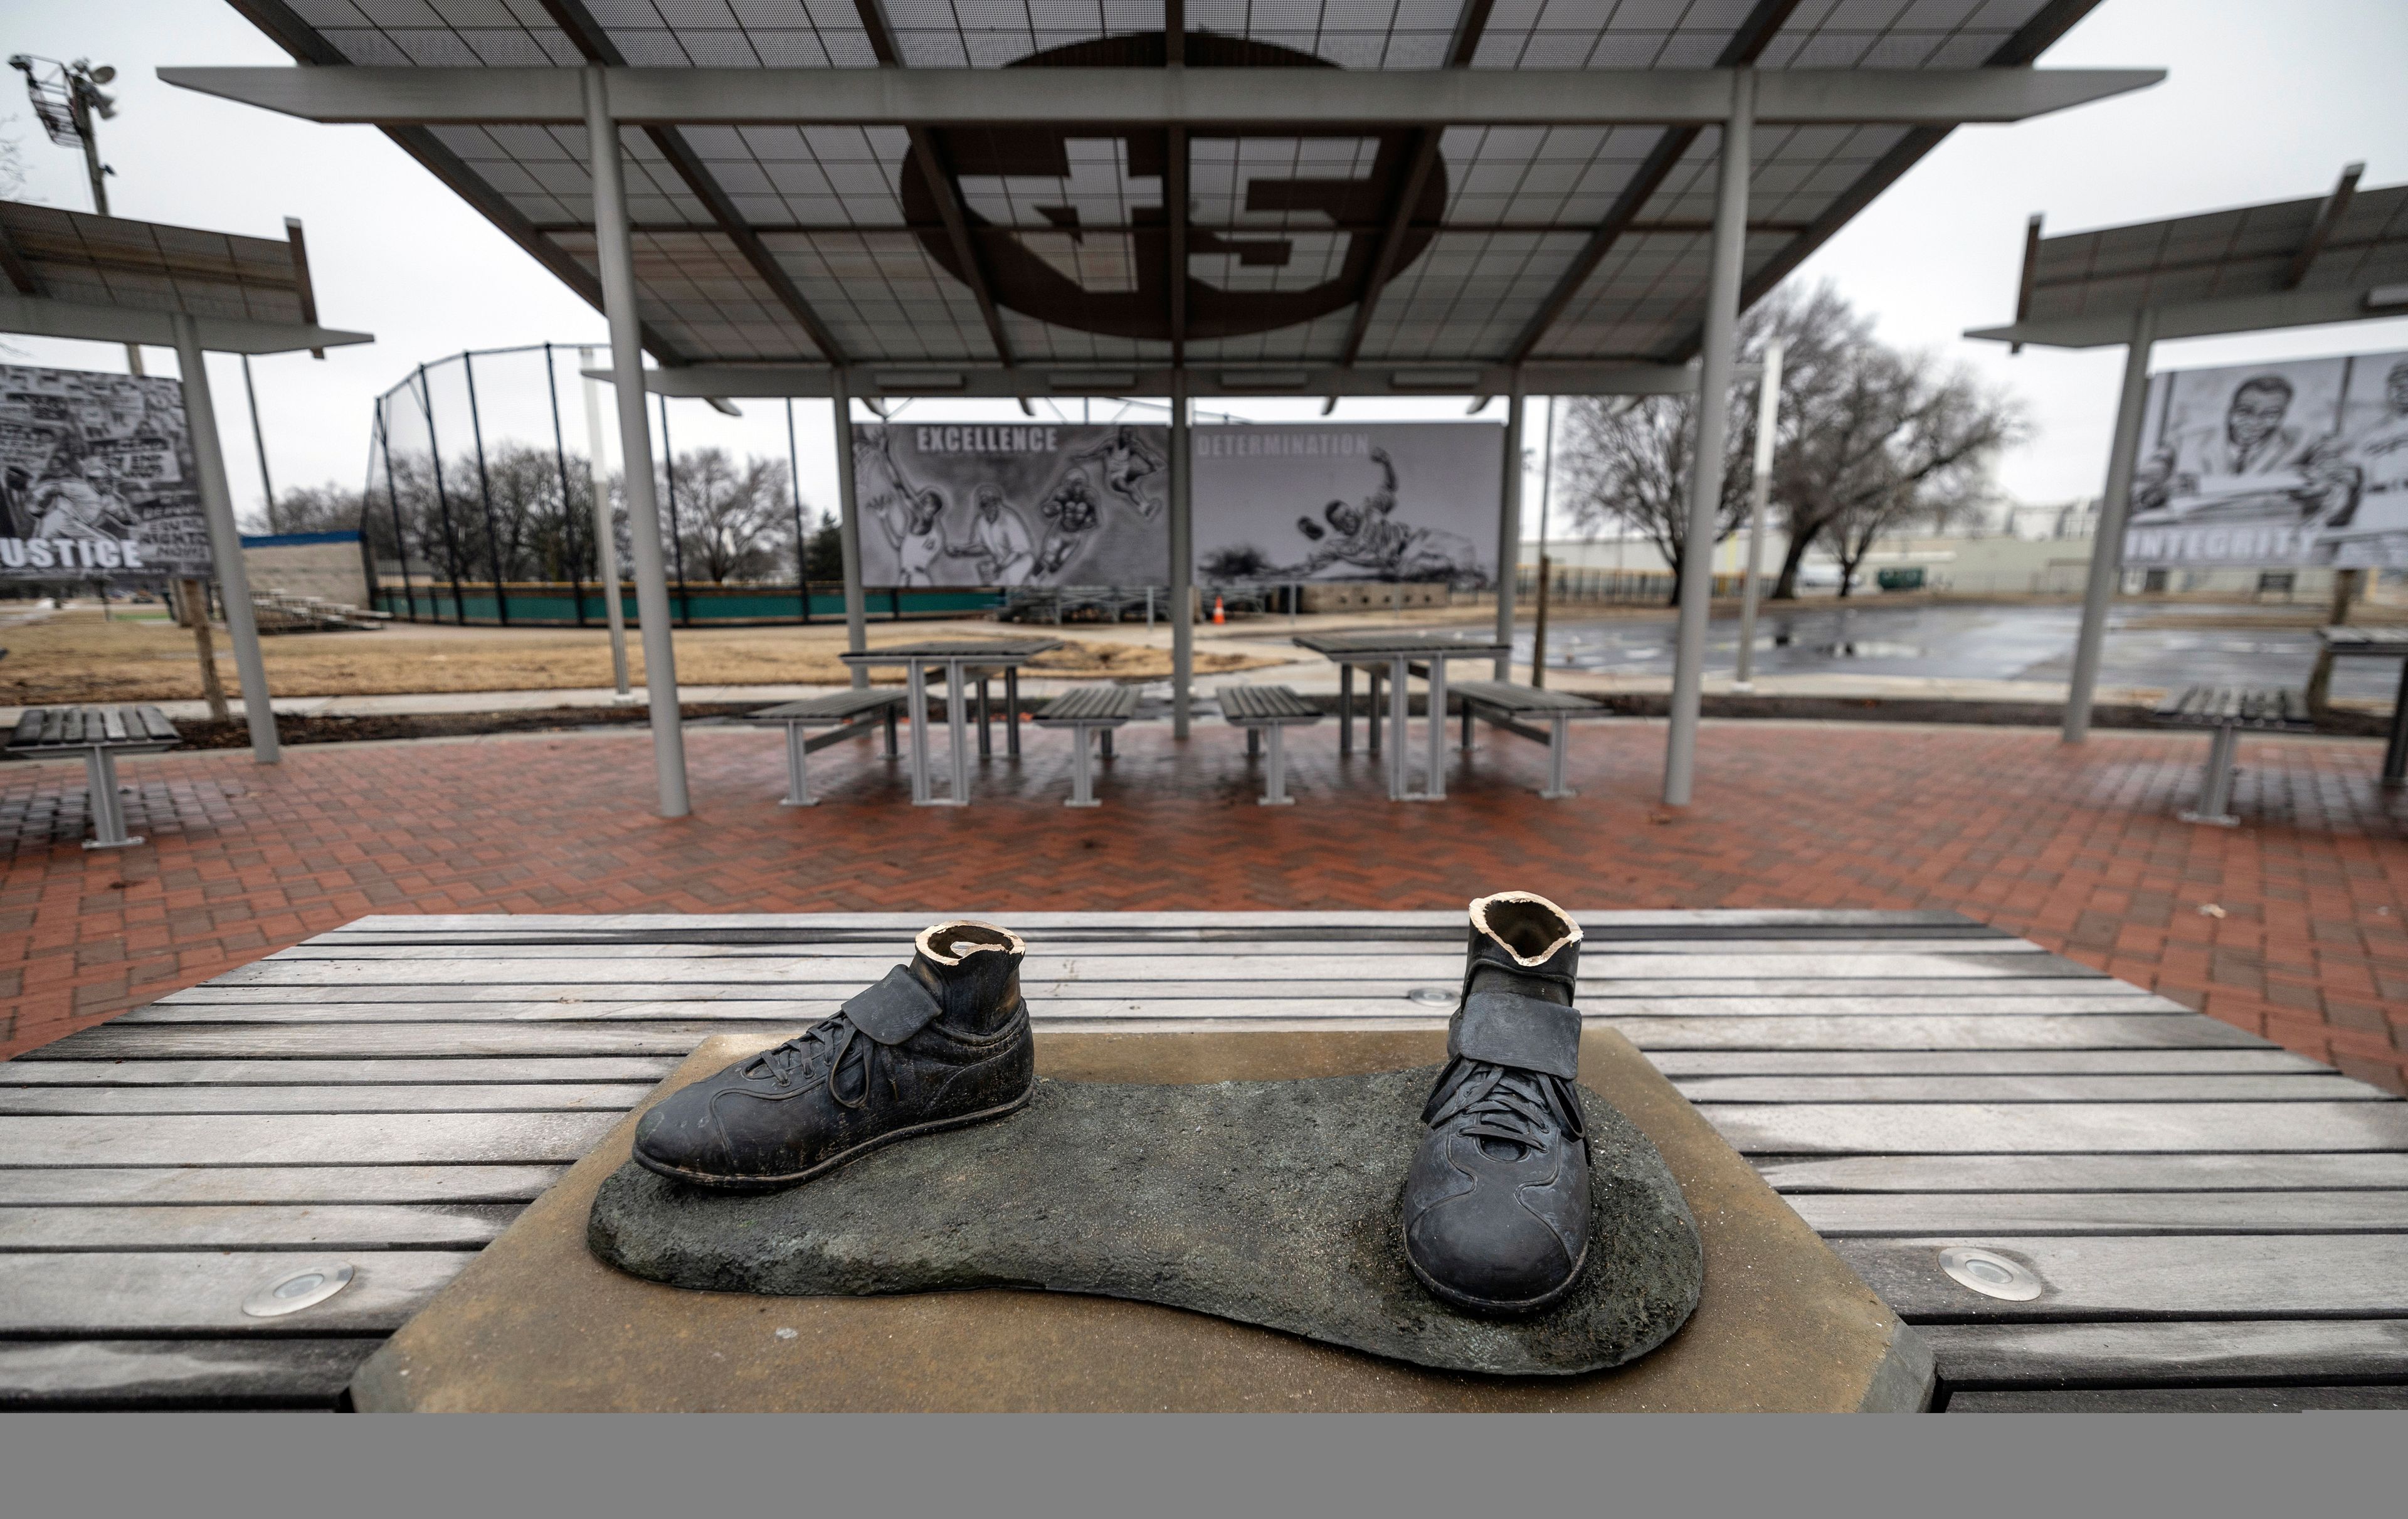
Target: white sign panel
1016 504
1389 501
2297 463
95 477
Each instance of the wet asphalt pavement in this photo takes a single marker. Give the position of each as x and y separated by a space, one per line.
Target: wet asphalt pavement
1974 642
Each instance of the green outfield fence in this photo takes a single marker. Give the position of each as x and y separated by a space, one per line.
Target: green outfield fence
559 604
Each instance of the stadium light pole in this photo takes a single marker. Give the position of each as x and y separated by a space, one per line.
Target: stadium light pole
848 527
1759 495
1713 426
615 252
606 540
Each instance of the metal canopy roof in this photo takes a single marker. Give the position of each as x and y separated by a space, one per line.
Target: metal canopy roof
1420 256
73 274
2293 263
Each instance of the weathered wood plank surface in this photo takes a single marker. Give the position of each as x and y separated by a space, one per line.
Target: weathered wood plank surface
122 1041
2035 1128
180 1184
2203 1205
1991 1213
1894 1089
246 1373
2072 1355
2182 1276
550 1098
2285 1400
115 1294
566 1070
345 1226
2089 1173
302 1138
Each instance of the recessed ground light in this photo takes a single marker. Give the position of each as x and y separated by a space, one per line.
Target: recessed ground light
1432 996
1991 1274
297 1287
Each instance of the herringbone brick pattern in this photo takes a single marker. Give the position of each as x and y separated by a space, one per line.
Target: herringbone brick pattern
2076 848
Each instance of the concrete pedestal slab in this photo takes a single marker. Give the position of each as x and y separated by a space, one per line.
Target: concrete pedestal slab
536 1322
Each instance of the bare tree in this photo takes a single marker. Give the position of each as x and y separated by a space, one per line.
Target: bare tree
1626 460
734 523
1904 441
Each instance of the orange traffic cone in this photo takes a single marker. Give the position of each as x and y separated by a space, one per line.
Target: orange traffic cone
1219 616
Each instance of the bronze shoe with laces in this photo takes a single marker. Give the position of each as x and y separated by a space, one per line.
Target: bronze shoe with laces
1496 1212
936 1044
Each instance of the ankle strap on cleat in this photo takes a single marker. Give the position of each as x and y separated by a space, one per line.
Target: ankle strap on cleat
893 1010
1506 1029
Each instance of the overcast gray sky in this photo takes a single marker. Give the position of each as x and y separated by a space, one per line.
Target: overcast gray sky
2264 102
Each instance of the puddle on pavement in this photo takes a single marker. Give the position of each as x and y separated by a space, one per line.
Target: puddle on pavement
1871 649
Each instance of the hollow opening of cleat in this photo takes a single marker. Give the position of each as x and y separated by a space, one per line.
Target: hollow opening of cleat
1528 926
951 943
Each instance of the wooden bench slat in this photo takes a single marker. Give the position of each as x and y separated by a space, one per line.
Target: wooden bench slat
126 1294
2294 1398
2093 1128
1836 1215
182 1185
2047 1354
156 723
252 1373
339 1227
2272 1172
28 730
549 1098
1245 705
297 1138
2162 1276
2246 707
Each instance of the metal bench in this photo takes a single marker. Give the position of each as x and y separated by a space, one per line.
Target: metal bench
1272 709
2228 709
850 714
1085 709
99 735
1502 704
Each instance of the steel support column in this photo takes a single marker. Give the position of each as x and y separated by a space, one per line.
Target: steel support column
1182 553
2107 548
616 255
848 529
1713 427
225 540
1767 422
1509 530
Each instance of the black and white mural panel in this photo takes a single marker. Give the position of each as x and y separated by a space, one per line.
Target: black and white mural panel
97 478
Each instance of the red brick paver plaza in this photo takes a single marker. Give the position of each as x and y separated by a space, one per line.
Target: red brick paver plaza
2077 849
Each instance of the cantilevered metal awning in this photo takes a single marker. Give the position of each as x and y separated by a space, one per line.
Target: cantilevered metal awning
72 274
104 279
982 196
2339 257
1181 197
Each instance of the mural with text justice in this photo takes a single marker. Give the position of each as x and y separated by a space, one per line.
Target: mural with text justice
1076 503
2303 462
95 477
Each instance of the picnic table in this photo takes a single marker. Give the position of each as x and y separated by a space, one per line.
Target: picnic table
1398 652
2381 643
2205 1219
957 657
96 735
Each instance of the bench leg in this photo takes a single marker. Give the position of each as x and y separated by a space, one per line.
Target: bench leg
1254 742
108 811
2216 785
2395 751
1375 718
890 732
1012 711
986 735
1108 743
1275 773
1467 725
1083 783
919 705
1436 790
1556 789
957 731
798 778
1345 711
